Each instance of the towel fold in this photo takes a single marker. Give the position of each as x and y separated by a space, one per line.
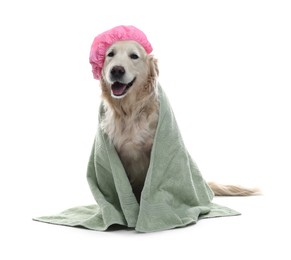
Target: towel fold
174 193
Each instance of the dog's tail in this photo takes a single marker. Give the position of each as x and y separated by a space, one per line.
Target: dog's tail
232 190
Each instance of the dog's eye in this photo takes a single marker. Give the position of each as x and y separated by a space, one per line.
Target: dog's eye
133 56
110 54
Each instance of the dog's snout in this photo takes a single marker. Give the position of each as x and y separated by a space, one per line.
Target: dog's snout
117 72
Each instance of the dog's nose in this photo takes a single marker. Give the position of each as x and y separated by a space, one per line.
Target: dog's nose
117 72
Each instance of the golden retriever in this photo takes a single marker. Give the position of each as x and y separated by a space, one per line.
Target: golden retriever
128 83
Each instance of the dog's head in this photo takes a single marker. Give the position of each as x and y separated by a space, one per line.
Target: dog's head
127 70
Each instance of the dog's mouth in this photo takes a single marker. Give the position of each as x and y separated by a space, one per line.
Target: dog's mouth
119 89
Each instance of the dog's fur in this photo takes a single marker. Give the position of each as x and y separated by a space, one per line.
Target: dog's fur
128 83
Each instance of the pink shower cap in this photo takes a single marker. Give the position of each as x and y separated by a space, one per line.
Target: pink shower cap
107 38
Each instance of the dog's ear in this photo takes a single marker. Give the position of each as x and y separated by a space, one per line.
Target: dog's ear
153 66
104 87
153 72
102 83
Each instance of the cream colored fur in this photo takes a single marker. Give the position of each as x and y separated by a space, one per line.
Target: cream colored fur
232 190
130 121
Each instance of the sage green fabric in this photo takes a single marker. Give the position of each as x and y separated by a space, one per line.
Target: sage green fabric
174 194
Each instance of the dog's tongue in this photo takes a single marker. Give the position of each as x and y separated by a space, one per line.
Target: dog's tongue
118 88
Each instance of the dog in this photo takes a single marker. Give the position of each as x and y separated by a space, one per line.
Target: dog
128 82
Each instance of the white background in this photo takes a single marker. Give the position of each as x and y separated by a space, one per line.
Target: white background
225 66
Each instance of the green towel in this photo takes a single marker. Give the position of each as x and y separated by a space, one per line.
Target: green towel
174 193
